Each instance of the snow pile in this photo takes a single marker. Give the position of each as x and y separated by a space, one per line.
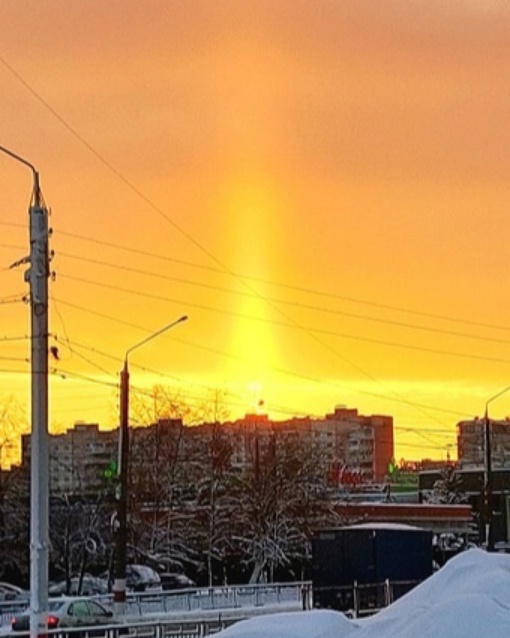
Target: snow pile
468 598
297 624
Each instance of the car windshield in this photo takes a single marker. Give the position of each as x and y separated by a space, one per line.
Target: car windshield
54 605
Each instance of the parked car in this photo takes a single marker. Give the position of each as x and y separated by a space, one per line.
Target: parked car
139 578
142 578
10 593
91 586
68 612
176 581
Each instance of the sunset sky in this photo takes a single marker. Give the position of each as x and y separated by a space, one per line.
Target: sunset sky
323 186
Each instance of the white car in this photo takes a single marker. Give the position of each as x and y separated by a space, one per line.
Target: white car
10 592
91 586
69 612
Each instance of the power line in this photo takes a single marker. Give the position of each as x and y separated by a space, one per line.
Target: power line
241 402
308 330
272 368
10 299
295 288
140 391
86 359
176 226
294 304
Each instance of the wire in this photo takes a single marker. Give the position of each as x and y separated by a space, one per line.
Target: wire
309 330
86 359
143 392
64 373
14 246
170 221
13 299
294 304
272 368
295 288
279 409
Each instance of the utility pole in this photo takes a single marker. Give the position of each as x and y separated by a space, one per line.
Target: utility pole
488 484
119 583
487 492
37 277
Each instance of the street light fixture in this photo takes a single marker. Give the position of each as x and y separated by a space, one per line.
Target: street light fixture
489 541
119 584
37 277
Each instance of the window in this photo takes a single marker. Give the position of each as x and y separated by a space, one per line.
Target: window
96 610
79 608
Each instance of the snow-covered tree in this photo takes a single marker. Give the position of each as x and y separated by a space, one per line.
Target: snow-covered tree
173 467
213 498
80 534
447 489
280 500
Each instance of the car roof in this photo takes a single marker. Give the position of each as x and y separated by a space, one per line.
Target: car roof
10 586
73 599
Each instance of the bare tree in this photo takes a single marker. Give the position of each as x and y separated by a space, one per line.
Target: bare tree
80 534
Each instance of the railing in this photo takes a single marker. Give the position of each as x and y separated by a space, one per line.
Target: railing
358 600
289 596
155 629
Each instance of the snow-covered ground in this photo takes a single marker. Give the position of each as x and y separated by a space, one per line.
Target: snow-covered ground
468 598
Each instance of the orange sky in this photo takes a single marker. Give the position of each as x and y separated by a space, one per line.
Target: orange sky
321 186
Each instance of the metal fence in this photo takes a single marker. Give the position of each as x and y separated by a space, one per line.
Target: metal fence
358 600
199 601
154 629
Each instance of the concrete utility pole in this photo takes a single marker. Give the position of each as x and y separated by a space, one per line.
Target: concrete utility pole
119 583
37 277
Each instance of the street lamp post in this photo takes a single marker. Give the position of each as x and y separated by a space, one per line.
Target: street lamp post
119 584
489 540
37 277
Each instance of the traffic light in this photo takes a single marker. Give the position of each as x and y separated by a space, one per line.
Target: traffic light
111 471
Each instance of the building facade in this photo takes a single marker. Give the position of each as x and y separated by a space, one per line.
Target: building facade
79 457
471 443
353 448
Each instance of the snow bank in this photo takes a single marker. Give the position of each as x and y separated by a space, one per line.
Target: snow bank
468 598
299 624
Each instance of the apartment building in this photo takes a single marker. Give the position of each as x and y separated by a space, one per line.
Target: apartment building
353 447
79 457
471 443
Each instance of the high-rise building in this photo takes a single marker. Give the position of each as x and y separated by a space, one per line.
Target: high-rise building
78 457
471 443
353 448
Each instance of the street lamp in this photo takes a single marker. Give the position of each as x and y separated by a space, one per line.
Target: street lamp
119 584
37 278
489 541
